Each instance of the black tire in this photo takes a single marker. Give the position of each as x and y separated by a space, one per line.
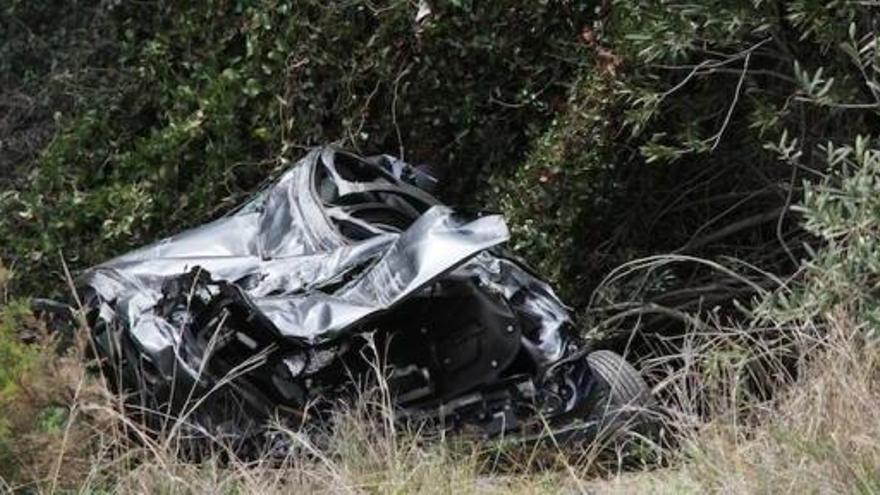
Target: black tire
622 397
617 403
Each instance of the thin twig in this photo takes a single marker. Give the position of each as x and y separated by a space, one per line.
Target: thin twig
736 94
732 229
400 76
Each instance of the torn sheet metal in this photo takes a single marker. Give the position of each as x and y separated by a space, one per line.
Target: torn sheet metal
282 290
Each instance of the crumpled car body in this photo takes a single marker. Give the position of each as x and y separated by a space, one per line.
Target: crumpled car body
271 310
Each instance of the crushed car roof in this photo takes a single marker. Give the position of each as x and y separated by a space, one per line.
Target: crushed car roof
261 310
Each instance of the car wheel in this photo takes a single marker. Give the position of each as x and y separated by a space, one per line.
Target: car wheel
621 397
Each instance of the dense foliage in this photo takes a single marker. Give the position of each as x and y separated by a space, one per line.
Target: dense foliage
167 115
604 131
696 137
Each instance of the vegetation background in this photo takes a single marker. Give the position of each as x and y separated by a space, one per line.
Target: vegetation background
698 179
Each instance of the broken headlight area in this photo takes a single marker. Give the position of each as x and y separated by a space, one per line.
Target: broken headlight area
279 310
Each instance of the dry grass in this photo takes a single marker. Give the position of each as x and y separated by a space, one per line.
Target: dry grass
821 435
819 432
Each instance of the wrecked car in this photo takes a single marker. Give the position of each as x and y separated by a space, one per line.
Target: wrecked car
277 309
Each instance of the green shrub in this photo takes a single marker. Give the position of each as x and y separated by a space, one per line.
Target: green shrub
670 141
557 201
182 110
604 134
15 355
16 359
843 277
